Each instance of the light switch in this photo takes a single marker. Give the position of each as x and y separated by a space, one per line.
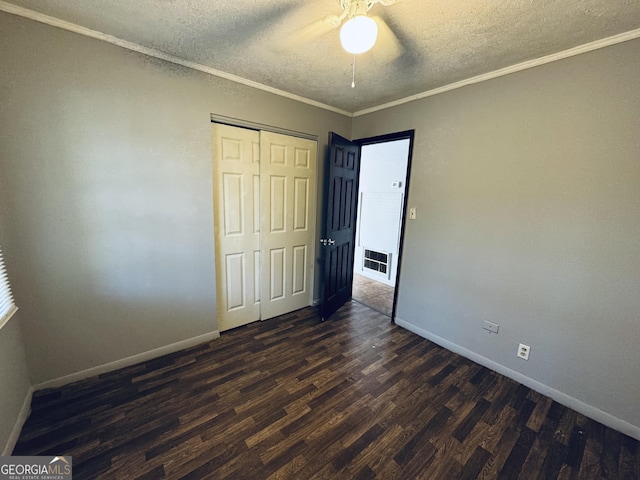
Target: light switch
412 213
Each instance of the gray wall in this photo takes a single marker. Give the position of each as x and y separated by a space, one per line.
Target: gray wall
106 192
527 190
14 377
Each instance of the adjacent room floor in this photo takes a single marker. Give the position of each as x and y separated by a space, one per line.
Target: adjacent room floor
296 398
375 295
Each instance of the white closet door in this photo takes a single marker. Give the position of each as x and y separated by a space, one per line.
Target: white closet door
287 220
236 167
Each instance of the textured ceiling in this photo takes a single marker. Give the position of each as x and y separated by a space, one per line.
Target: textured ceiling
443 41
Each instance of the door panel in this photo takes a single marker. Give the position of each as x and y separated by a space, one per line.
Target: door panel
278 273
277 203
256 278
300 204
237 245
236 293
339 224
299 269
232 202
288 193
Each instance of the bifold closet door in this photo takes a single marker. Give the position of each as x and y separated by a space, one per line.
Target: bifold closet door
265 213
287 220
236 185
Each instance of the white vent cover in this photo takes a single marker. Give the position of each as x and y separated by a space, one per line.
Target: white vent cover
379 262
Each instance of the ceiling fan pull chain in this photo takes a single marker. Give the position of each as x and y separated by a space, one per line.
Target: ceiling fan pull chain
353 77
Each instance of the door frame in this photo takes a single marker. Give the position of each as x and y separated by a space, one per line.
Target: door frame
390 137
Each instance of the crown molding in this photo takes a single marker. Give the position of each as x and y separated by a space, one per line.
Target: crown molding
587 47
72 27
87 32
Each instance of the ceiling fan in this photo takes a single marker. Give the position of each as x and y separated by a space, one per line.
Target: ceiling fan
358 34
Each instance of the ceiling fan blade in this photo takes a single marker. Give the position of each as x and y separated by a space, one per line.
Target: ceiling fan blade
387 47
310 32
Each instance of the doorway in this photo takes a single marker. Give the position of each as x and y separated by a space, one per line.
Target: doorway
382 197
264 222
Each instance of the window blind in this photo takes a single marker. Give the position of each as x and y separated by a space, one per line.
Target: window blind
7 307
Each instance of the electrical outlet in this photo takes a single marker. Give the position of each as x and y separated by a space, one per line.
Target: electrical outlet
492 327
523 351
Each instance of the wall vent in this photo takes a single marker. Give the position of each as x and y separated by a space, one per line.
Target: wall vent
376 261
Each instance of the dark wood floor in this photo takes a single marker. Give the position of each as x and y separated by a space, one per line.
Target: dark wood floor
354 397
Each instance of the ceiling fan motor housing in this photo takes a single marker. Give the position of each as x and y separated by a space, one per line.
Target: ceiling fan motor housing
361 7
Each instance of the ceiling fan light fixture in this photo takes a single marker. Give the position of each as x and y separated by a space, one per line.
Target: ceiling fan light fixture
358 34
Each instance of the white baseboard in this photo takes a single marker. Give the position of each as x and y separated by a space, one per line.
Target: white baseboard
17 428
560 397
127 362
